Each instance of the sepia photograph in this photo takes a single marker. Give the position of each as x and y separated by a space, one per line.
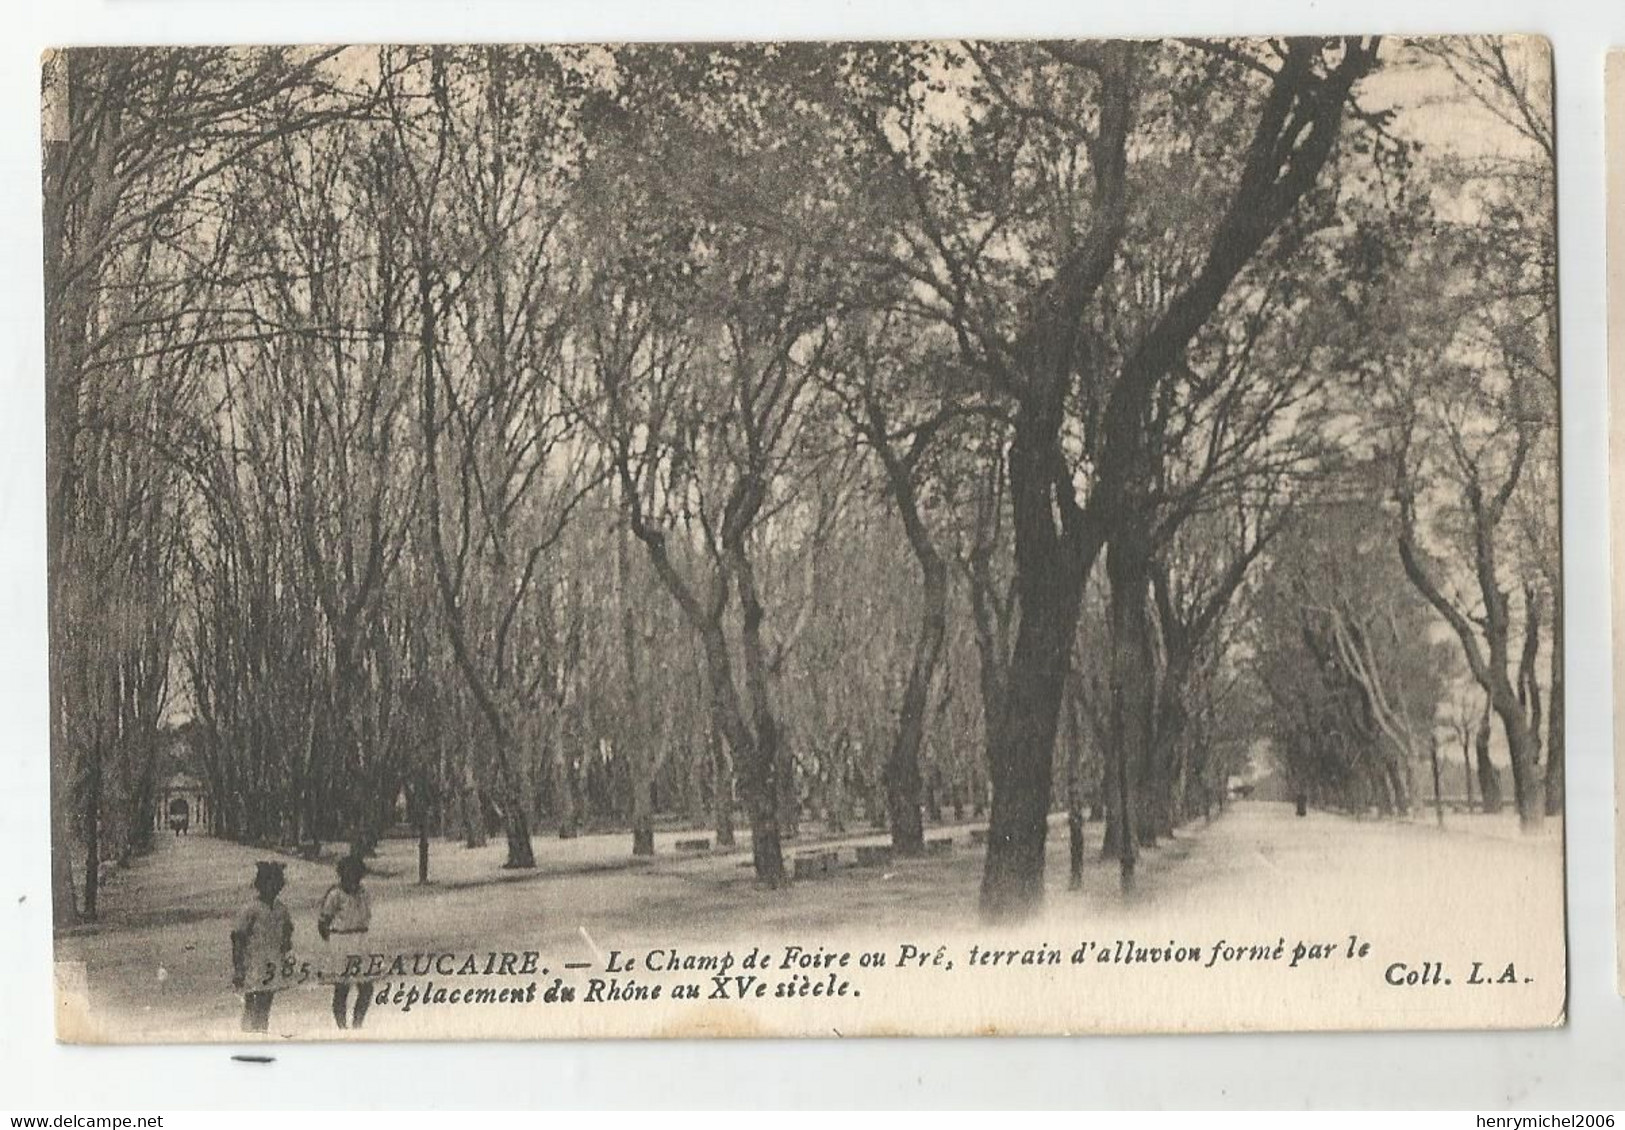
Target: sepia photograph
803 539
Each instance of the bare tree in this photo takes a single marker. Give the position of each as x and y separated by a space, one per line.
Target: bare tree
499 499
134 142
1043 350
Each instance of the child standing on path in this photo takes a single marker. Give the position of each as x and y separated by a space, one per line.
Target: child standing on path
346 910
260 938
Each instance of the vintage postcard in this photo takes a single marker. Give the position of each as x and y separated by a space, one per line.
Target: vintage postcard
803 539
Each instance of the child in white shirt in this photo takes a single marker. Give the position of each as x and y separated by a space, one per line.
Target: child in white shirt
346 911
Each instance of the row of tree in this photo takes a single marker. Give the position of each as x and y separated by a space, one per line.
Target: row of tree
583 434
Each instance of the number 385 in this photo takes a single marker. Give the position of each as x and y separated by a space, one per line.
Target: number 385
286 970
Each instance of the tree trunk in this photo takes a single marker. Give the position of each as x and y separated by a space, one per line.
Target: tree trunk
1161 792
1021 765
762 798
722 777
760 752
521 854
64 899
754 755
835 787
564 786
138 840
903 763
1467 768
470 809
643 806
874 802
1438 798
1131 691
93 830
423 848
1489 778
644 760
1051 567
1489 662
1554 720
788 789
643 840
1022 725
902 770
1399 793
1522 748
1074 795
695 772
67 310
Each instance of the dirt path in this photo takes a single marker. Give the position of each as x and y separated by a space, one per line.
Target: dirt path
160 959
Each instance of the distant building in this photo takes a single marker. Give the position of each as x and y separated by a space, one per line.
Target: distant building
181 802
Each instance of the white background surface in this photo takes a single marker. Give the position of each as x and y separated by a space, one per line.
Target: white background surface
1580 1066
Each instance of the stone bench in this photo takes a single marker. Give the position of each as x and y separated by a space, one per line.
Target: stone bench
810 864
694 845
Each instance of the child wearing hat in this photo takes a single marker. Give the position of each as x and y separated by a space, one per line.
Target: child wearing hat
346 911
260 938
